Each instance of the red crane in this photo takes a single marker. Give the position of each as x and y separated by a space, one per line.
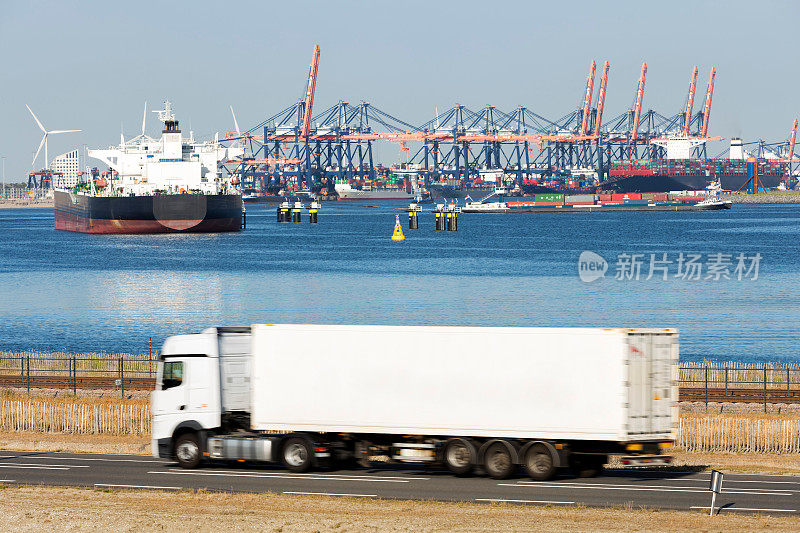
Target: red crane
690 102
309 101
792 139
707 106
637 113
587 101
601 99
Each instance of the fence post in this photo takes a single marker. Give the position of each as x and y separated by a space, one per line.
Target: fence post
29 374
706 373
726 381
74 374
121 378
150 356
765 388
787 381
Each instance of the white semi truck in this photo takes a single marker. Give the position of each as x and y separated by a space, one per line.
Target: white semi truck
492 399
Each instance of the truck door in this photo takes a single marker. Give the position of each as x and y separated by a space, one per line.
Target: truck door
171 388
651 387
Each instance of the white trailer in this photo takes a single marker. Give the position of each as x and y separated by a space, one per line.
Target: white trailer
489 398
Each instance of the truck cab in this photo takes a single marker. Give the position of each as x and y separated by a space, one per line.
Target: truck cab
190 402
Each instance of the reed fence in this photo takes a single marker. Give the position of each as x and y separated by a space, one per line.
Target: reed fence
738 434
745 375
74 417
695 433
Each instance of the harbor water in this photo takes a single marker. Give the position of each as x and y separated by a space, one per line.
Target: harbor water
89 293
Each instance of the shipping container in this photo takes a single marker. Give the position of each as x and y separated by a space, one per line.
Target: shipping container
582 198
549 197
604 197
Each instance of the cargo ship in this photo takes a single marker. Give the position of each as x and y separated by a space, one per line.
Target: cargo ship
680 172
167 185
348 192
581 203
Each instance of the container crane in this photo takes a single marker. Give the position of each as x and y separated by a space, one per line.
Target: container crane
707 105
587 101
637 113
601 99
690 102
792 139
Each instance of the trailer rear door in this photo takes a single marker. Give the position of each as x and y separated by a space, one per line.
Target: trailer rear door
652 389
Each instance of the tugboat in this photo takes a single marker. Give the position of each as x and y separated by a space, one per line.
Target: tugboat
167 185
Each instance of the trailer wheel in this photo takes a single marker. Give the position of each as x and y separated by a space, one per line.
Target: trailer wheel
187 451
459 457
539 463
497 461
297 455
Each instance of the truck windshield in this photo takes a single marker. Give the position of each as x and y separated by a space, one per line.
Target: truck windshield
172 375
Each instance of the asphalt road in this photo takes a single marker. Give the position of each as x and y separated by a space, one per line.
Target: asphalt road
653 489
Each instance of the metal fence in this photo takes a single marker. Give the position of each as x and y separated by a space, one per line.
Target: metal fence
69 371
703 382
738 382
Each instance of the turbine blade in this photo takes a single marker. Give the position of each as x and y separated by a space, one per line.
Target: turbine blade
36 119
144 116
235 123
62 131
44 137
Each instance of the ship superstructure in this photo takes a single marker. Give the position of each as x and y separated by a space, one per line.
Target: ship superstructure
155 185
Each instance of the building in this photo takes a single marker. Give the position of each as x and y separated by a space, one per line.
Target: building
67 165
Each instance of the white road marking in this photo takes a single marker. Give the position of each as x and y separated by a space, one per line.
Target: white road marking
6 481
518 501
635 488
43 464
748 509
728 481
136 486
641 486
56 458
282 476
315 475
35 467
332 494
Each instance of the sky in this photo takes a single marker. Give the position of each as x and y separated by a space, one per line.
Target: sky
91 65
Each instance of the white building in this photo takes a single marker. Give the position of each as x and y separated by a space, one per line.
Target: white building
67 165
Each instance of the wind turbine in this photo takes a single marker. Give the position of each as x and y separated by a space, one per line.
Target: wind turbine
44 139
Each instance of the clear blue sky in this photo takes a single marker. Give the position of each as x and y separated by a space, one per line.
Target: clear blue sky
91 65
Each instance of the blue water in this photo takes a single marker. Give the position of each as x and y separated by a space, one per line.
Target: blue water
79 293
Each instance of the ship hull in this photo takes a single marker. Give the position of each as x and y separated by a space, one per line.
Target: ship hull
449 191
380 194
681 182
178 213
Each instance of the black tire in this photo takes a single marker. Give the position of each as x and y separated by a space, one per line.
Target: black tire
539 463
586 466
297 454
459 457
498 461
187 451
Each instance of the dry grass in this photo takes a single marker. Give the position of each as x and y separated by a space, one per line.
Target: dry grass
61 509
67 442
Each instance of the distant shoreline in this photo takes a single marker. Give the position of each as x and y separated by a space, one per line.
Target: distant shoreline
21 204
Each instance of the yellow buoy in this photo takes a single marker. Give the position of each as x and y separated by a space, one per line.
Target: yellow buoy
397 235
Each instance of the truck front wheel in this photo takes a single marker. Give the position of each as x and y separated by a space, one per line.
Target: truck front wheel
297 455
187 451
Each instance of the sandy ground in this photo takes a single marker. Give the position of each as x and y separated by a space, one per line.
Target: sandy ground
66 509
16 204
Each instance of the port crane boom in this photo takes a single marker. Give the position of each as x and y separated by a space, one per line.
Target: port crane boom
690 102
707 106
309 100
601 99
637 113
587 101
